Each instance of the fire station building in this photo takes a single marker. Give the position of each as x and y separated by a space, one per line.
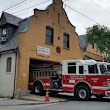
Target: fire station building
45 38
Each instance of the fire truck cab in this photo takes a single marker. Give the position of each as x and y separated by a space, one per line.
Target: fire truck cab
81 77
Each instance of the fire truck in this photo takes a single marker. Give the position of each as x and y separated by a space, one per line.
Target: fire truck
83 78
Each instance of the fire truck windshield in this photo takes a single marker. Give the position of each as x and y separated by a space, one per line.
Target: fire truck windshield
108 68
103 69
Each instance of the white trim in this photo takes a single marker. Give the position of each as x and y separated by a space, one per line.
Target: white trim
46 84
104 88
66 85
71 81
96 87
100 87
30 83
84 74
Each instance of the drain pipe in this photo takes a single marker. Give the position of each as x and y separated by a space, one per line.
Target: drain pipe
15 74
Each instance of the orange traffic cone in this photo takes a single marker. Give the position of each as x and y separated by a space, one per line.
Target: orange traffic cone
47 97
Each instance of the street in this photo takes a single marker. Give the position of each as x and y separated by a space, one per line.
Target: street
78 105
24 107
93 104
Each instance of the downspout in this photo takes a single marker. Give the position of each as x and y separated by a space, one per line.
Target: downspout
15 75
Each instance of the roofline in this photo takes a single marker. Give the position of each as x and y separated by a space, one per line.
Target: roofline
10 50
84 62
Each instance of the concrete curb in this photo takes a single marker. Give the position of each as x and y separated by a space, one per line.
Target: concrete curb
31 101
34 103
21 104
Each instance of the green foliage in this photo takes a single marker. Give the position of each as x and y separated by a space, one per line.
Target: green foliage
100 36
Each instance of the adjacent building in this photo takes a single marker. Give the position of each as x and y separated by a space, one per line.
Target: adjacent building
89 51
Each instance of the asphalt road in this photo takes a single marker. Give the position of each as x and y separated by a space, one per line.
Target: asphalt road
93 104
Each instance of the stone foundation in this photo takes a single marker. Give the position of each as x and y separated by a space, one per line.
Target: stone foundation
21 92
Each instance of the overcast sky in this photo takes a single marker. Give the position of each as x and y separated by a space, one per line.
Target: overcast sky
98 10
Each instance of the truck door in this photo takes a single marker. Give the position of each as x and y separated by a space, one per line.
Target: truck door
69 71
94 78
105 78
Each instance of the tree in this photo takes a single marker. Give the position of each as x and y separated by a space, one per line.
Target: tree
100 36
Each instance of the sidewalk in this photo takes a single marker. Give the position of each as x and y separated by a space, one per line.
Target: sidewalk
34 100
15 102
53 99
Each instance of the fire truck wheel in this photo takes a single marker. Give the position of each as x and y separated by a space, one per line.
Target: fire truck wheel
38 88
83 93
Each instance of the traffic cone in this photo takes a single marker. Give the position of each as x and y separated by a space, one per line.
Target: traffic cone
47 97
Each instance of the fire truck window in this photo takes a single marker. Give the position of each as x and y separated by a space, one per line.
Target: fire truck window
81 69
92 69
103 69
71 64
108 68
71 68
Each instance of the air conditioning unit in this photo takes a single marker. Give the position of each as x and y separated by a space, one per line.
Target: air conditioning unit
3 39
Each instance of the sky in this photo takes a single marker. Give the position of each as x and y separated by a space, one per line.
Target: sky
97 10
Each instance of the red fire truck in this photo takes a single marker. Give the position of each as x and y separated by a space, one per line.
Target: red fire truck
81 77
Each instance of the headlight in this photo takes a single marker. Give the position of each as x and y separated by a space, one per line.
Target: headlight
105 83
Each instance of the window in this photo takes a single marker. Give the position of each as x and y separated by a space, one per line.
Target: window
92 69
103 69
71 68
66 41
8 66
108 68
3 32
81 69
92 46
49 35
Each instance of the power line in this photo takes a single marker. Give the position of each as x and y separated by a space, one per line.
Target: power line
21 4
82 14
65 7
30 7
100 6
25 13
45 2
10 5
66 0
13 5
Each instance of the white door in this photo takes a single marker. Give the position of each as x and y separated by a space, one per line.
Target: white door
7 74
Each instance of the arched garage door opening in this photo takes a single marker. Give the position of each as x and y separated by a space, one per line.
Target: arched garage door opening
39 68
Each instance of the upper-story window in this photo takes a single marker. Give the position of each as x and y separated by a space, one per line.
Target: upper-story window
3 32
8 65
49 35
66 41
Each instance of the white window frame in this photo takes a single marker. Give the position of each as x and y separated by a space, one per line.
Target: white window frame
9 65
4 32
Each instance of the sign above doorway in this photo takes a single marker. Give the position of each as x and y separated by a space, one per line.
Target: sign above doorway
43 51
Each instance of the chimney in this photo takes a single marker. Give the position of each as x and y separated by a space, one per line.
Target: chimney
57 1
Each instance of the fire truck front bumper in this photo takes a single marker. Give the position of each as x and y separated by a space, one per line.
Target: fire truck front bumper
107 93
